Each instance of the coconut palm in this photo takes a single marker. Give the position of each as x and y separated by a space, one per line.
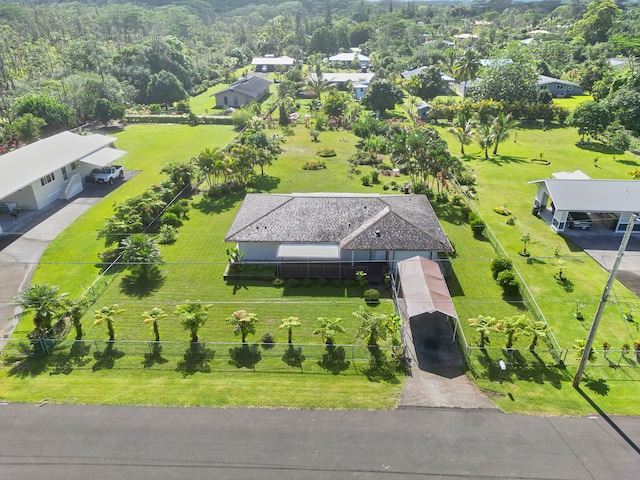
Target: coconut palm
328 329
108 315
462 130
44 300
289 323
484 326
152 317
317 84
466 68
193 316
485 138
244 323
501 128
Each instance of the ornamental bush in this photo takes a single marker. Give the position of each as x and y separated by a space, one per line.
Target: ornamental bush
500 264
371 295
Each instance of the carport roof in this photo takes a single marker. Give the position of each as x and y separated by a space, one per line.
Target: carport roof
424 288
25 165
591 195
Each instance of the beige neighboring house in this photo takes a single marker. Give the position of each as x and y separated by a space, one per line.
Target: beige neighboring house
348 59
53 168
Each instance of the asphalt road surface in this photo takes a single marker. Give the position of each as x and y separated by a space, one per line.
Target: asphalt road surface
94 442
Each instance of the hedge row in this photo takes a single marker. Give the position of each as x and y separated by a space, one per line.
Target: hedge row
182 119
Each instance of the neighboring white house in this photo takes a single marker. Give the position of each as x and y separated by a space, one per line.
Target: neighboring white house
269 63
53 168
337 228
347 60
610 203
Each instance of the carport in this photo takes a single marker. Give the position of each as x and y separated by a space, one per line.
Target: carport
609 203
427 309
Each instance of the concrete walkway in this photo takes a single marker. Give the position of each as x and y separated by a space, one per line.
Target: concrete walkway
20 255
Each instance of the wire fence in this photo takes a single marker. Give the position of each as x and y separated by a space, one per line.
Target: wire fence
25 357
528 300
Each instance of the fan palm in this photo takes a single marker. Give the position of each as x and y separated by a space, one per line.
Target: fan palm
289 323
44 300
152 317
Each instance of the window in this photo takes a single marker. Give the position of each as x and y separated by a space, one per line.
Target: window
65 175
235 101
48 179
559 87
75 165
226 101
569 87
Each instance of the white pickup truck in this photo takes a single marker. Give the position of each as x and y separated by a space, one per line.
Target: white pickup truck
108 174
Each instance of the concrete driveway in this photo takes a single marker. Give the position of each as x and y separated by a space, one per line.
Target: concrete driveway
436 378
602 245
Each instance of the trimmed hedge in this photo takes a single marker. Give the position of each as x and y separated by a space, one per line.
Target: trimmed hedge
180 119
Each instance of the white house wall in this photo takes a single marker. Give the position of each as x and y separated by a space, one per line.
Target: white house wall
24 198
259 251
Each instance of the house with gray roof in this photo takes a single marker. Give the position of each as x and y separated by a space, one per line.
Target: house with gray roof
242 92
557 87
336 232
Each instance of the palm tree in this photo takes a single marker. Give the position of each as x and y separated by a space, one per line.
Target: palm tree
373 328
485 138
317 84
539 329
74 310
290 323
328 329
484 326
152 317
244 323
108 315
466 68
512 326
140 252
44 300
501 128
193 315
462 130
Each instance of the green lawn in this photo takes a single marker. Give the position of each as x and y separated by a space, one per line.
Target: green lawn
196 262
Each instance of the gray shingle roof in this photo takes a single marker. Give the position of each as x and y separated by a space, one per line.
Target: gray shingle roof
355 222
252 86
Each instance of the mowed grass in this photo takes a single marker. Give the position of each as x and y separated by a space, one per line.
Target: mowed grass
193 272
541 387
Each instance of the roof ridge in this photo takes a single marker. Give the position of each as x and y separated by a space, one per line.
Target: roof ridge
365 226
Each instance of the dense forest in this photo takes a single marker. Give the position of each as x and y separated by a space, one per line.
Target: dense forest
63 64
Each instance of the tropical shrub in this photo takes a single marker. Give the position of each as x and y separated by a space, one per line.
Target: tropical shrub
313 165
326 152
477 223
371 295
502 210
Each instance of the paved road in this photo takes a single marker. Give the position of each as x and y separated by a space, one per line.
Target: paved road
62 442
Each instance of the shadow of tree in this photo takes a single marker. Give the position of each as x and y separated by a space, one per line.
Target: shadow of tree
154 356
216 205
598 386
246 356
631 163
535 261
27 362
107 358
380 368
143 283
196 359
293 357
565 283
334 360
597 147
77 357
264 183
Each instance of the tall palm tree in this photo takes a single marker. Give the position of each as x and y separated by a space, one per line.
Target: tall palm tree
485 138
373 328
462 130
512 326
44 300
152 317
193 316
328 329
539 329
501 128
108 315
290 323
244 323
466 68
317 84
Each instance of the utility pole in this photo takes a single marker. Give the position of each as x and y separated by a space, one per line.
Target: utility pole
603 301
